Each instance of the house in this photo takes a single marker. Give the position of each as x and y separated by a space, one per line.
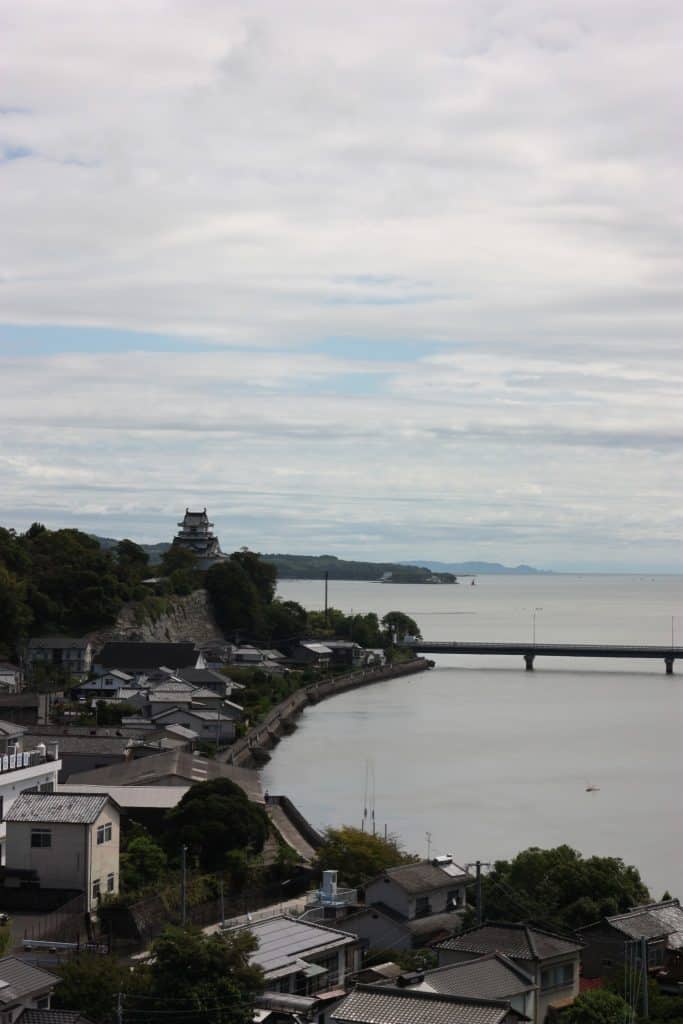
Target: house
493 976
69 839
85 750
138 657
23 988
208 679
211 726
660 924
346 653
308 652
10 677
105 685
419 890
25 708
551 960
22 767
71 655
247 655
303 958
381 1004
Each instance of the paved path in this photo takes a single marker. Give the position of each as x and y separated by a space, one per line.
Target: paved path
289 832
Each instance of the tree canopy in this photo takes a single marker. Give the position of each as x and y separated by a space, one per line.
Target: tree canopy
561 887
358 855
597 1006
213 818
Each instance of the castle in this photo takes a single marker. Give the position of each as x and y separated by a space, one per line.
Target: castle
196 534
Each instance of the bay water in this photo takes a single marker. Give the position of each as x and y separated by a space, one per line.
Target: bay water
479 758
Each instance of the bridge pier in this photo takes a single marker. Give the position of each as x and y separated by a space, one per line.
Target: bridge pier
529 661
669 662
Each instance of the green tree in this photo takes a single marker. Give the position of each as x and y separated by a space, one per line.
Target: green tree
210 978
358 855
234 598
143 863
284 621
213 818
398 624
597 1006
177 558
262 574
561 887
90 984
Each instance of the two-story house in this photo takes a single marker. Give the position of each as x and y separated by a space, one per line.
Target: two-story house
660 924
23 767
70 840
71 655
551 960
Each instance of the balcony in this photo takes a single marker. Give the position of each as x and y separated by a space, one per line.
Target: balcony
26 759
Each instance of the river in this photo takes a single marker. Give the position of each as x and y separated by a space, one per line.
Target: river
491 759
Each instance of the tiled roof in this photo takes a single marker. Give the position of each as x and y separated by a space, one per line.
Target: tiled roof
60 808
11 729
369 1004
18 980
652 921
519 941
51 1017
489 977
140 655
284 942
57 642
423 877
70 744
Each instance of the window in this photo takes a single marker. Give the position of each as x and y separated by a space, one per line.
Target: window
41 837
557 976
103 833
110 882
453 898
655 956
43 1003
422 906
96 889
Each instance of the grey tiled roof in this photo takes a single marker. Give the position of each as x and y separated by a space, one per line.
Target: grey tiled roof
51 1017
11 729
368 1004
60 808
489 977
57 642
422 877
22 979
652 921
129 654
519 941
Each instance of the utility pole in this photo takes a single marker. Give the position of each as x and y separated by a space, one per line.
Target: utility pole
478 865
429 843
119 1008
183 885
645 979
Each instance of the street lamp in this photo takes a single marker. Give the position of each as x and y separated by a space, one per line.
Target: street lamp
533 625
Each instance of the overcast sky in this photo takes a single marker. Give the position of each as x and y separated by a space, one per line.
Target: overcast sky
384 280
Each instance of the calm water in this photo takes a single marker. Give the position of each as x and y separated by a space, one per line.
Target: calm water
490 758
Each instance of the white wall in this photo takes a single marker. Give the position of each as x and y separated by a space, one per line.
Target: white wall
13 784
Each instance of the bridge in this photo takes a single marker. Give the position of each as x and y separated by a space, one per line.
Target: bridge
532 650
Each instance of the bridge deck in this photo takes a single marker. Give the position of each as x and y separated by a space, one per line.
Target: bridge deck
552 650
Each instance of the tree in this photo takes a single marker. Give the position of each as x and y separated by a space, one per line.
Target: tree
132 557
210 978
597 1006
213 818
561 887
90 984
262 574
358 855
142 864
285 621
177 558
234 598
397 625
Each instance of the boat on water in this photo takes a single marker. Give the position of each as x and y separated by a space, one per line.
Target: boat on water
592 789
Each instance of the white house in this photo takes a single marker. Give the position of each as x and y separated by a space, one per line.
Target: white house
10 677
23 769
210 725
23 988
70 839
419 890
71 654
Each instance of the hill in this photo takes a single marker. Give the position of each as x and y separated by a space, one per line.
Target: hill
479 567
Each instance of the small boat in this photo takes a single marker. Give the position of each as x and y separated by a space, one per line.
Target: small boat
592 789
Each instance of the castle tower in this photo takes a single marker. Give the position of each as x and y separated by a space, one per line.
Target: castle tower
196 534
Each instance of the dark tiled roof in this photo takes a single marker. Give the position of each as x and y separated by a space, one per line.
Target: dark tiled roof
422 877
489 977
653 921
369 1004
20 979
156 768
81 744
57 642
11 729
51 1017
519 941
60 808
130 655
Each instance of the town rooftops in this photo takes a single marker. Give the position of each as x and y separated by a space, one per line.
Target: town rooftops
203 676
493 976
370 1004
518 941
54 643
424 877
18 980
652 921
284 943
315 648
128 654
57 808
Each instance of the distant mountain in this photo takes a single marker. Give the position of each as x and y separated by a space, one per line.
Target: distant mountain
155 551
478 567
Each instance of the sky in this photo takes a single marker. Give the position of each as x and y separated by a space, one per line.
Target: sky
386 280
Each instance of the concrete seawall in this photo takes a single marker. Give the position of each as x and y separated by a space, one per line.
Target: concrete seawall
248 751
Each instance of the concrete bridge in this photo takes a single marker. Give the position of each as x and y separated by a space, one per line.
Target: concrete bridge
531 650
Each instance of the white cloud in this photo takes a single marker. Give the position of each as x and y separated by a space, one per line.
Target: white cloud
501 182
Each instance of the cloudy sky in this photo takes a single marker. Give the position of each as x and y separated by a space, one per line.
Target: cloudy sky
385 280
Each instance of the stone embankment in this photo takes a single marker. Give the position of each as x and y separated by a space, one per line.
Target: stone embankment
251 749
181 618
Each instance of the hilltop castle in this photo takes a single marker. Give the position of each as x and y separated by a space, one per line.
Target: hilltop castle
196 534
